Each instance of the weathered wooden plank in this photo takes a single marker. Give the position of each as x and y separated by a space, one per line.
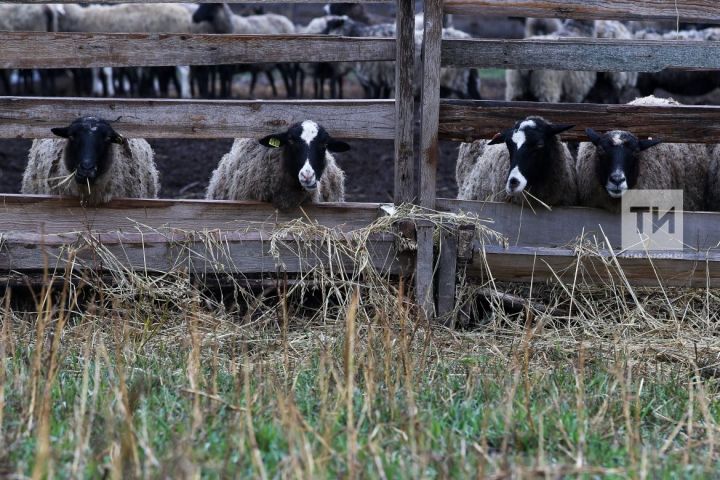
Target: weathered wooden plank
44 214
447 274
563 226
32 117
405 186
424 270
520 264
467 120
683 11
430 97
83 50
593 54
195 253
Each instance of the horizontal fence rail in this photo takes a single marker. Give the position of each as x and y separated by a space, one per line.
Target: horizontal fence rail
683 11
83 50
205 1
467 120
32 117
199 237
601 55
566 226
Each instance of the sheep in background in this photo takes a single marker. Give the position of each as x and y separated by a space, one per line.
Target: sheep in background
613 87
287 168
533 160
220 19
712 189
612 163
135 18
104 164
553 85
541 26
30 18
679 82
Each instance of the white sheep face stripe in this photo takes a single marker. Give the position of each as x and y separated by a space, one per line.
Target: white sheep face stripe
307 176
614 190
309 131
522 182
518 136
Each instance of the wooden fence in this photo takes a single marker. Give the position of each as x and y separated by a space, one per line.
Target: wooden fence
543 245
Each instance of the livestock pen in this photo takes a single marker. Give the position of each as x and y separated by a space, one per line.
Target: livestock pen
126 365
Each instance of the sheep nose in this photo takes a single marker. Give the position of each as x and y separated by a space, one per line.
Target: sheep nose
307 176
513 183
617 178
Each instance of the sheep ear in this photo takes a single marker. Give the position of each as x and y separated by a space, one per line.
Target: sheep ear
593 135
63 132
555 129
337 146
498 138
274 141
645 144
333 24
116 137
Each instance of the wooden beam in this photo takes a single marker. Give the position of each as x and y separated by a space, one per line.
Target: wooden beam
467 120
518 264
32 117
563 226
593 54
694 11
447 274
52 215
405 187
194 253
84 50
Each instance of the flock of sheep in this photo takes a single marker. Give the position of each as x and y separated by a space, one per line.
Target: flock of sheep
527 162
376 78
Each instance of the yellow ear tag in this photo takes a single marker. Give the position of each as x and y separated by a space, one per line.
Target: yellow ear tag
274 142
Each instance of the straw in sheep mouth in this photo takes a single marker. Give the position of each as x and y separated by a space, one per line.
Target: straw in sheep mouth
63 180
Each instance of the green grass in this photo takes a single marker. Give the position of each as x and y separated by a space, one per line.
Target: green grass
435 404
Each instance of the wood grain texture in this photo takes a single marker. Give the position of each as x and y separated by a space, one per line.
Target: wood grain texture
84 50
518 264
38 214
429 98
424 271
602 55
685 11
447 273
563 226
467 120
405 186
32 117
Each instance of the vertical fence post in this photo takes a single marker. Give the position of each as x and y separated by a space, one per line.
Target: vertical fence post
404 102
429 108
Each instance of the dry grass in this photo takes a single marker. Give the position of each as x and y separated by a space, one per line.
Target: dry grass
144 376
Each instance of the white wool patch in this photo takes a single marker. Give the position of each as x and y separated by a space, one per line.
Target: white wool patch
616 139
518 137
522 182
307 176
309 131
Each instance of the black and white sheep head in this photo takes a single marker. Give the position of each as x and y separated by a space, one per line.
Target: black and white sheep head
618 162
304 146
208 12
530 144
89 140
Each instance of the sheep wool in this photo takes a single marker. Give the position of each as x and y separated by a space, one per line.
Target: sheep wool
251 171
132 172
666 166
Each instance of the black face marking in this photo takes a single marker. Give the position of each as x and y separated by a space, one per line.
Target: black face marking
529 144
304 147
618 163
88 144
206 12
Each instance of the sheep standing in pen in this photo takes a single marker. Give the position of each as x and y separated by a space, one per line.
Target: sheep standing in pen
541 26
532 160
613 87
553 85
103 163
220 18
611 164
287 169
